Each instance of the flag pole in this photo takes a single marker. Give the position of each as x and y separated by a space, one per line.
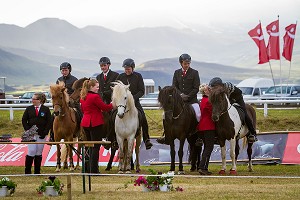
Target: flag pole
279 56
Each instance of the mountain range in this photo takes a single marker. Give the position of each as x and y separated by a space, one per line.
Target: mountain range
32 55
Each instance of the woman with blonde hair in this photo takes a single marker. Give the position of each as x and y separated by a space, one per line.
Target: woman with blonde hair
207 128
39 115
92 122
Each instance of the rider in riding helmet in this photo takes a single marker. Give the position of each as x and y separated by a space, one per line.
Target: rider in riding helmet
67 78
105 78
235 96
137 89
65 69
187 81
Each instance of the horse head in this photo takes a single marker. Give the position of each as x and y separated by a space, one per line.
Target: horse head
60 98
77 86
170 99
219 100
122 98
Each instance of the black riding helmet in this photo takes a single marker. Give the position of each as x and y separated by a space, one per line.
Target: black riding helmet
185 57
65 65
128 63
215 81
104 60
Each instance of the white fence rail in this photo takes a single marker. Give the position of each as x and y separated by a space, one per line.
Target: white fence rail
279 101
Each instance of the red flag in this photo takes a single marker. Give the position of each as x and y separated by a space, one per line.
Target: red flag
288 41
257 35
273 44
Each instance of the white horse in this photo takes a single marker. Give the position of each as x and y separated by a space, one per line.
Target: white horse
126 124
230 127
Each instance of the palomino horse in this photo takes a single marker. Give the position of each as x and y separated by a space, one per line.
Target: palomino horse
126 125
229 126
179 123
64 125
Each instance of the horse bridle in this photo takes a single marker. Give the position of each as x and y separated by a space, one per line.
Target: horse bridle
176 117
60 106
126 111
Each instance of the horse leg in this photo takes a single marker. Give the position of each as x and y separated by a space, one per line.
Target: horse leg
172 153
137 152
70 151
130 142
121 155
111 158
180 155
64 155
232 155
223 156
249 152
79 146
58 158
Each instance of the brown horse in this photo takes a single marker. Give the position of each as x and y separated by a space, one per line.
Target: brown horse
179 123
64 125
230 126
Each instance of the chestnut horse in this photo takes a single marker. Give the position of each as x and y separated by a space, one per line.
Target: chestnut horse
64 125
180 121
229 126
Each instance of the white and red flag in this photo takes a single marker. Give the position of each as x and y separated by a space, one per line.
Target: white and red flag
288 41
257 35
273 44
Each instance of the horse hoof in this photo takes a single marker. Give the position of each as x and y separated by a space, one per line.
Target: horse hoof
171 172
57 170
120 172
138 171
71 169
181 172
222 172
250 170
107 168
128 172
232 172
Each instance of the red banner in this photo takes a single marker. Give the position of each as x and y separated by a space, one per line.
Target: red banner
257 35
273 44
292 149
288 41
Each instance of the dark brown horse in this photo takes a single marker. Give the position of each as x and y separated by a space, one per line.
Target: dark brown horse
64 125
179 123
230 126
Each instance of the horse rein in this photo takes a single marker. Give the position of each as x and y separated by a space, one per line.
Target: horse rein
60 109
225 110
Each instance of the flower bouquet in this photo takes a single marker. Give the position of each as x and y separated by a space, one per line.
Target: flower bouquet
165 181
7 186
149 183
51 187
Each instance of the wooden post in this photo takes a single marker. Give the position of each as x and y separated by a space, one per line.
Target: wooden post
69 187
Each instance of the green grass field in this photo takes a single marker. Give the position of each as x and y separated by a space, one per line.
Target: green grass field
277 120
272 181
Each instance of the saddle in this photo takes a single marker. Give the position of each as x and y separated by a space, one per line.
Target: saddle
28 136
240 111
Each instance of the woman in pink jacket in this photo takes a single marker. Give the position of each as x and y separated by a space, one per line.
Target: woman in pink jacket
92 122
207 128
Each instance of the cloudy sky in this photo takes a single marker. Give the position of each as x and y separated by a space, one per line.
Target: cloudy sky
123 15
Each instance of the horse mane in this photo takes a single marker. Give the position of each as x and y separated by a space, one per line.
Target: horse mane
117 92
165 93
78 83
57 89
215 92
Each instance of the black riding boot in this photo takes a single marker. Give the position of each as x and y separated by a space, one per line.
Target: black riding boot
28 164
37 164
162 139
